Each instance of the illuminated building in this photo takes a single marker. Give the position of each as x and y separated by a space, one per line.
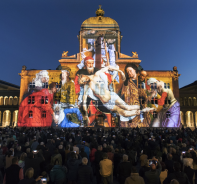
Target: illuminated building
99 39
188 101
9 97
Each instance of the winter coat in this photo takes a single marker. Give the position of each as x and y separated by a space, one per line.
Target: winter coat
134 179
58 173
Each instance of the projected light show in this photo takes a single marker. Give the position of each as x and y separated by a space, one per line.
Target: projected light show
99 86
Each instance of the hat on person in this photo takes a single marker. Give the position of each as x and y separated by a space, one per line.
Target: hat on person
88 58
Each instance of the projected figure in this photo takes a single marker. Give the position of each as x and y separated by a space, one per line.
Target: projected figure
173 107
36 109
130 95
67 89
64 110
96 86
63 116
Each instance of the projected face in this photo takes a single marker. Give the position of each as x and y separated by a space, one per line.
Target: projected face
143 75
84 79
131 72
44 79
64 75
89 63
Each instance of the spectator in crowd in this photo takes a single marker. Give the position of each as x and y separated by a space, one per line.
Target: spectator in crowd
85 173
9 157
58 173
187 159
174 182
34 145
164 154
18 152
75 148
56 156
14 173
2 162
21 161
189 171
144 168
152 176
106 170
169 163
83 153
62 152
124 169
29 177
143 157
181 177
164 172
134 178
73 165
32 161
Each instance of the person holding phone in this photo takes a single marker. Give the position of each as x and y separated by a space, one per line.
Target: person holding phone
152 176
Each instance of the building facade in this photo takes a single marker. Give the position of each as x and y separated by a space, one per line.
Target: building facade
188 101
100 63
9 104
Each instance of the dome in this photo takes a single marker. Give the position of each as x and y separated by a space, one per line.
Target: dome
100 21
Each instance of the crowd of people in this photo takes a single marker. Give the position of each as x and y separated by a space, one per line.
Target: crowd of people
90 155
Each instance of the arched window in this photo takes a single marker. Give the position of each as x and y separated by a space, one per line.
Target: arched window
6 118
189 101
10 100
6 100
15 118
30 114
194 101
189 119
15 100
1 100
196 118
182 118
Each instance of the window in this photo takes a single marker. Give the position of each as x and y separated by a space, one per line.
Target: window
58 86
154 114
6 100
43 114
164 85
152 87
15 100
1 100
46 100
168 86
30 114
168 114
45 85
10 100
31 99
31 85
97 89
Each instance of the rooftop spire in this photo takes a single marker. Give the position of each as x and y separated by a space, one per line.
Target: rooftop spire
100 12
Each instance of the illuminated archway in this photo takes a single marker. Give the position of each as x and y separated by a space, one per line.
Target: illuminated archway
1 100
10 100
194 101
190 101
15 118
196 118
6 100
189 119
182 118
15 101
6 118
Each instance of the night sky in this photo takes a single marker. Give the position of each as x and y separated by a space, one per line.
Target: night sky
36 32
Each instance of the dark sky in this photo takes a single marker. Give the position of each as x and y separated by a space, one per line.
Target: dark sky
36 32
